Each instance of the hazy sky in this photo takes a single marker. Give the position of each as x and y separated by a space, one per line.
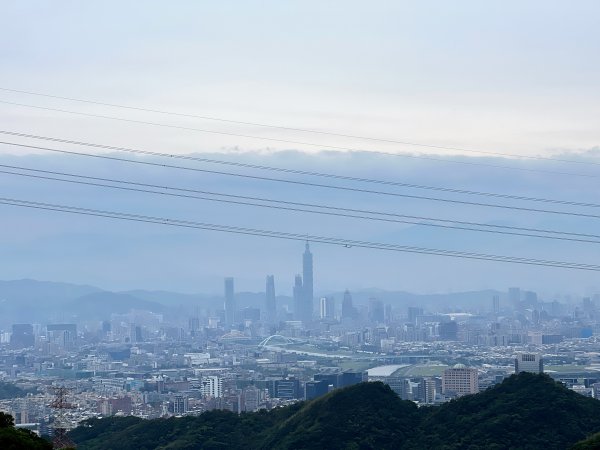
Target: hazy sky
520 77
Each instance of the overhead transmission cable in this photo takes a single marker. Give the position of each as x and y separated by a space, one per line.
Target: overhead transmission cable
348 213
296 129
305 183
311 144
296 236
300 172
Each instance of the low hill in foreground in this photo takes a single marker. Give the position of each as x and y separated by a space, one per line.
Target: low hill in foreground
15 439
526 411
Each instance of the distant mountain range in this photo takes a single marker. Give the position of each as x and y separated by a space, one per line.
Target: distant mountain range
43 301
526 412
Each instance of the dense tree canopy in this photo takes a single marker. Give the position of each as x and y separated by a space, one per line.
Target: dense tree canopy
14 439
526 411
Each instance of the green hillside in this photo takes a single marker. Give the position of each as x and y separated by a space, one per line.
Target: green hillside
366 415
526 411
591 443
14 439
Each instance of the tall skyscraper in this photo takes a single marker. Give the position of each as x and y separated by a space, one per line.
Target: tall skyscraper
298 298
270 306
496 304
348 311
229 302
327 308
413 313
376 311
307 275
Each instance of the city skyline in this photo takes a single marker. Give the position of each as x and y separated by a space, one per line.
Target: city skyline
270 224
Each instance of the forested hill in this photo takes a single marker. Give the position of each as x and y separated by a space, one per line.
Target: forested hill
526 411
12 438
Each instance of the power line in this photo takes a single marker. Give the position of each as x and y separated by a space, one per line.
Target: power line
348 243
287 202
286 128
301 172
305 183
312 144
289 208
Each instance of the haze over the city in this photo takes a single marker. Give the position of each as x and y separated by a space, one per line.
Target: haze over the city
513 78
299 224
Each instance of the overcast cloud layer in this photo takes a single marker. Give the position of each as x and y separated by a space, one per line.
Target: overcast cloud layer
508 76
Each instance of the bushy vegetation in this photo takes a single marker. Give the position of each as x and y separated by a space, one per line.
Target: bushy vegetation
18 439
212 430
526 411
592 443
364 416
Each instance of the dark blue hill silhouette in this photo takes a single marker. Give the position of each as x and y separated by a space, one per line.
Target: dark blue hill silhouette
526 411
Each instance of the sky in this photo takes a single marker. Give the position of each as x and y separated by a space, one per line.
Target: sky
508 76
512 77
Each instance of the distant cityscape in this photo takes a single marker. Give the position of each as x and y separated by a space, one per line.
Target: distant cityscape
147 364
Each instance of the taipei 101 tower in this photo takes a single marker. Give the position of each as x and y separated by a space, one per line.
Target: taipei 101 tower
308 294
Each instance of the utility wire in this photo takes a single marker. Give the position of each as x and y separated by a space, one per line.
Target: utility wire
286 128
312 144
305 183
301 172
284 208
286 202
295 236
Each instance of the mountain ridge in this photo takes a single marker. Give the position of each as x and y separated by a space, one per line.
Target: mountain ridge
526 411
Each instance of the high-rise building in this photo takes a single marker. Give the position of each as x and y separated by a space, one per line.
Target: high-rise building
298 298
211 386
229 302
180 404
448 331
514 297
136 333
348 310
413 313
496 304
251 399
426 390
270 305
530 299
389 316
327 308
62 334
308 288
194 325
376 311
460 380
588 305
288 389
529 362
22 336
314 389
